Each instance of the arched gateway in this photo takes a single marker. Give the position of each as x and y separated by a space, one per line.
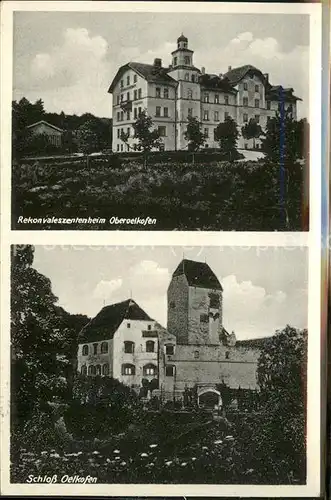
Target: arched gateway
208 397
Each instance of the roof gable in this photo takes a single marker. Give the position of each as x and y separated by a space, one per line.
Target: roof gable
45 123
105 324
235 75
214 82
198 274
149 72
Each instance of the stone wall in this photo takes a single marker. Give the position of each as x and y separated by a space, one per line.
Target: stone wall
204 322
178 304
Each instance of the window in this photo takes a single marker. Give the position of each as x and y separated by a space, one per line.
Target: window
118 116
98 369
134 78
149 370
245 86
128 131
128 115
165 112
226 99
169 370
122 84
104 347
95 348
172 304
129 347
215 134
162 131
205 132
135 113
257 118
246 145
214 300
128 325
128 96
83 370
128 80
190 112
192 78
256 88
186 60
268 104
150 346
122 116
187 76
139 111
122 147
245 117
204 318
118 133
245 101
118 99
226 115
91 370
175 61
170 349
139 93
85 350
122 97
161 147
135 94
166 93
128 369
227 354
205 97
189 94
118 147
196 354
257 103
105 369
158 111
158 92
216 116
206 115
149 327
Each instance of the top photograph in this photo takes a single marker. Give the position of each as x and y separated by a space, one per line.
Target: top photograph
167 121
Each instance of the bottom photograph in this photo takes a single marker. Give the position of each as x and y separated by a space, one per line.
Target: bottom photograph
162 365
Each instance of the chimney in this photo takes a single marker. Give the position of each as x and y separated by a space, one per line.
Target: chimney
229 68
203 70
158 63
266 76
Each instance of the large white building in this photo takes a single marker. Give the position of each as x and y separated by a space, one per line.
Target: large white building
171 94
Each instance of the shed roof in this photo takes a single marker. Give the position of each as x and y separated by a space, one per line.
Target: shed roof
198 274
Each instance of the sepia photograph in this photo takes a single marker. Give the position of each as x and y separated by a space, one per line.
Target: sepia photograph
139 121
158 365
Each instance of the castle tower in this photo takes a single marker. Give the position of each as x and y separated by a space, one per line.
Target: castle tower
195 304
188 91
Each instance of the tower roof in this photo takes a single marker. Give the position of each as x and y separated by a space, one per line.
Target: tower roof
198 274
107 321
182 38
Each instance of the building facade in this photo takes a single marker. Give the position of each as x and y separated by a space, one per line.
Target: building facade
170 95
194 352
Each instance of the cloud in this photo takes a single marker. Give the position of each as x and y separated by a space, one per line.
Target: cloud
251 312
105 289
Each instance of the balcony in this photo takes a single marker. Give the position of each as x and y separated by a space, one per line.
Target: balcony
126 105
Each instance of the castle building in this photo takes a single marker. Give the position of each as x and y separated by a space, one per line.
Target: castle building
170 95
194 352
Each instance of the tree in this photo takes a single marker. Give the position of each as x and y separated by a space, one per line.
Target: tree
279 438
148 137
252 130
226 134
87 138
193 134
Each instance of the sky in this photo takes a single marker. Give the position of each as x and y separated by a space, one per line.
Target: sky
265 288
69 59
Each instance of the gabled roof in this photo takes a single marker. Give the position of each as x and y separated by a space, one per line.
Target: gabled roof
107 321
198 274
236 74
214 82
150 72
45 123
277 93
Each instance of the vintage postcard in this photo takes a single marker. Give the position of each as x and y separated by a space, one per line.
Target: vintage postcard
130 117
178 351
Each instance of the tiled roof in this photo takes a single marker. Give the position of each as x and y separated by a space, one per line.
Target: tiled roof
236 74
198 274
254 343
150 72
277 93
107 321
216 83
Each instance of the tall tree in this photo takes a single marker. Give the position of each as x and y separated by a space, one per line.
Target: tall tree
144 132
252 130
226 134
194 135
